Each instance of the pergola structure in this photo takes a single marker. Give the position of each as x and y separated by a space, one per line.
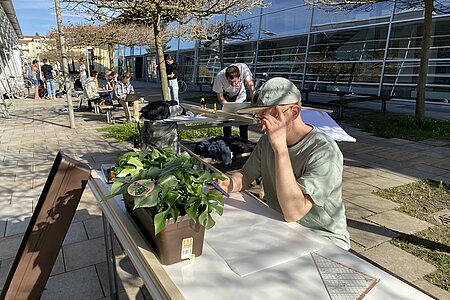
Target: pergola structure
10 58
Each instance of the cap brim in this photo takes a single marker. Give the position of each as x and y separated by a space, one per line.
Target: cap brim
252 110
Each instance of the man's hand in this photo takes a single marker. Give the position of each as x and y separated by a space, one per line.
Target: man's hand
226 185
275 128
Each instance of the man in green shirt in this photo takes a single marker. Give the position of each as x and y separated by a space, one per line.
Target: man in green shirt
301 168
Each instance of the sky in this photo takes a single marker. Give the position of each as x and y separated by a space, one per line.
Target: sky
39 16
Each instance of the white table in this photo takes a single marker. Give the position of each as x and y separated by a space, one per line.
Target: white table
250 254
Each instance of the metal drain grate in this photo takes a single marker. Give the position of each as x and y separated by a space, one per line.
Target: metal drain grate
443 216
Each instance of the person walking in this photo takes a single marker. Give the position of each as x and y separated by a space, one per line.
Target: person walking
48 75
35 78
229 86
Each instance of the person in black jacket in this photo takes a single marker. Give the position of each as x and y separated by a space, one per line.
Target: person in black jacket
173 70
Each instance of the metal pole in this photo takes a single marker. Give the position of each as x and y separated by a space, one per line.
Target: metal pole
386 49
308 43
65 64
257 42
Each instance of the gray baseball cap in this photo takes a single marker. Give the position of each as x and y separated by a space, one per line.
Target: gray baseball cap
275 91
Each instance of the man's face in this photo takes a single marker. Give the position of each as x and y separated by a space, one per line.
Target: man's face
169 61
126 80
236 81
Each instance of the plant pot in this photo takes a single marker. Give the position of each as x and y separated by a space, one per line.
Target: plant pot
177 242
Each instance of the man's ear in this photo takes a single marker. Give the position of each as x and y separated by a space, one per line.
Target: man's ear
295 111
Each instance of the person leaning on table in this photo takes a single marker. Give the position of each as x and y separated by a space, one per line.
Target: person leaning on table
301 168
229 85
120 92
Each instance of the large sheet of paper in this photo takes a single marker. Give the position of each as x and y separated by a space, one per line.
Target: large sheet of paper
254 239
326 124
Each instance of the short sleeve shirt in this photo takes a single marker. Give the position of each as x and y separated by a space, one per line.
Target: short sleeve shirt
318 164
47 71
232 93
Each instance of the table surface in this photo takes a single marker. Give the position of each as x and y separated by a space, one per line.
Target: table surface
252 254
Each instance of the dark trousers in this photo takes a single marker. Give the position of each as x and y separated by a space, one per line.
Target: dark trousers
243 131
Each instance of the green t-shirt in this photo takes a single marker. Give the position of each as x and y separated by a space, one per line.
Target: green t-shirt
317 163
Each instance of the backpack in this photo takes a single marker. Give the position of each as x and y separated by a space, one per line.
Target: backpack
159 110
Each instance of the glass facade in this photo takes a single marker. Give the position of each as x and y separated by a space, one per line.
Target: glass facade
372 51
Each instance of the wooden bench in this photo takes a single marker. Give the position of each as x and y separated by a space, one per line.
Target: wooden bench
344 100
202 83
108 109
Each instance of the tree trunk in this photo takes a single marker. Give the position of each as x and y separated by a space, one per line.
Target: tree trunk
111 55
65 65
424 58
161 61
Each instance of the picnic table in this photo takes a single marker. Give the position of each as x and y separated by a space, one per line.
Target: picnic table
346 97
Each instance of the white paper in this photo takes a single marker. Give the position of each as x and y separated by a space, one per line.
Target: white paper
326 124
250 242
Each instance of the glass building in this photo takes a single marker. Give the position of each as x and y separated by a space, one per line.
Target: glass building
374 51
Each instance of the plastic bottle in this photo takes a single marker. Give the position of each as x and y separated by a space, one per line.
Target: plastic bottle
202 103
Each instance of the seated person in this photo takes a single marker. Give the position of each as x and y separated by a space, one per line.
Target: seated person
90 92
121 90
112 81
301 168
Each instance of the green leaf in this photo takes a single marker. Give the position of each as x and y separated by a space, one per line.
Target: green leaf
148 201
203 218
167 180
160 221
116 184
135 161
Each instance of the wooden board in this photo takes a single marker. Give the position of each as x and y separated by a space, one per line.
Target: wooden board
47 229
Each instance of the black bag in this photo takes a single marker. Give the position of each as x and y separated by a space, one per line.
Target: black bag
158 110
77 86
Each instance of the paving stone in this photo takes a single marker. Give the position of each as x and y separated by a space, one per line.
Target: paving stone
353 211
368 234
94 227
399 262
82 254
400 222
5 267
16 210
357 187
129 278
357 247
9 246
76 233
2 228
78 284
17 226
373 203
430 288
58 266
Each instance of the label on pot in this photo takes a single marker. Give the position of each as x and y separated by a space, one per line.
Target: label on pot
187 245
141 187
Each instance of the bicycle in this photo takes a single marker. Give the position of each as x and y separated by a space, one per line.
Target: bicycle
15 89
28 84
182 86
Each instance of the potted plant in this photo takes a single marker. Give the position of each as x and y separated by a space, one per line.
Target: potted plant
166 194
